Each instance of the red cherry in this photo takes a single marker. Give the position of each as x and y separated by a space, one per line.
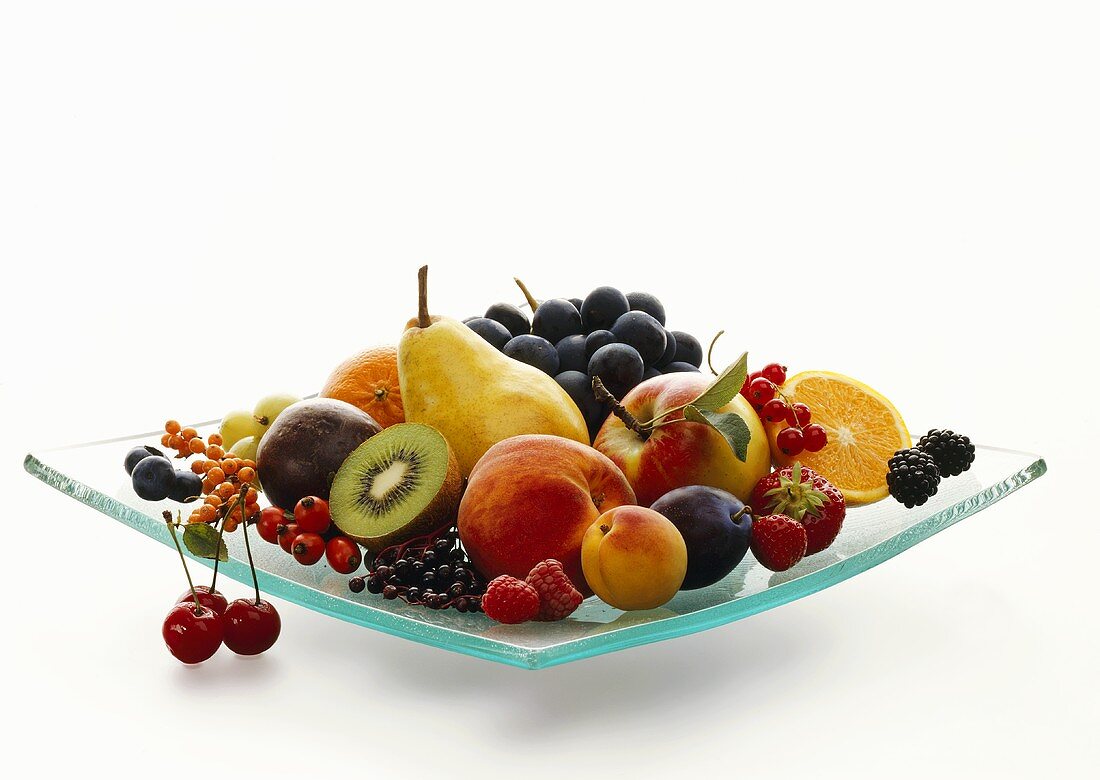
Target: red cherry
308 548
251 626
761 390
287 535
211 599
790 441
268 524
774 410
774 373
311 515
343 554
192 633
815 437
801 414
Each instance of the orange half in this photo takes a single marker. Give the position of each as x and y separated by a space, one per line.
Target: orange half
864 431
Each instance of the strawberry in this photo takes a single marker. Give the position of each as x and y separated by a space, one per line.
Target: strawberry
778 541
805 495
557 596
509 600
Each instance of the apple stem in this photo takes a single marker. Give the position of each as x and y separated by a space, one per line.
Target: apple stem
604 395
710 351
172 530
422 318
527 294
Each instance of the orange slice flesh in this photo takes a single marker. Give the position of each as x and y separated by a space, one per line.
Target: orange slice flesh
864 431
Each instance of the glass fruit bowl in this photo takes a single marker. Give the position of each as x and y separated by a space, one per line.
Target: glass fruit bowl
92 473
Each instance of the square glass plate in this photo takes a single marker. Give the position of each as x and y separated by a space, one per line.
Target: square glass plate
93 474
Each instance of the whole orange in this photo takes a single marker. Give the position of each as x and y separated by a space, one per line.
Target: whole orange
368 380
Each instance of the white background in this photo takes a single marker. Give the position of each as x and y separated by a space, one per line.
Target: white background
204 202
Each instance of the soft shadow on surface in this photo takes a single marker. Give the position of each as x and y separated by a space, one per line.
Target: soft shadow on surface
584 694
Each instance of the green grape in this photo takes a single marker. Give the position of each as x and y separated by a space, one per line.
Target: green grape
271 406
245 448
238 424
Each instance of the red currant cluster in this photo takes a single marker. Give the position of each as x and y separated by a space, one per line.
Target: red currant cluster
761 389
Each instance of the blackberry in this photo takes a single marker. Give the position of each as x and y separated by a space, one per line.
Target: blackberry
952 452
912 477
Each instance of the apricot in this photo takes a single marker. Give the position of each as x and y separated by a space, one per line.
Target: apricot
634 558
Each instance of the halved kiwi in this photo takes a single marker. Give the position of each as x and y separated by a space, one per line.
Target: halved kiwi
400 483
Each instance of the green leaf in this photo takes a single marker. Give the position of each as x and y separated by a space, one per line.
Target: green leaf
725 387
202 540
730 424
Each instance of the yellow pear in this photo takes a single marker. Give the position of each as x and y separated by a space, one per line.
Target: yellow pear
458 383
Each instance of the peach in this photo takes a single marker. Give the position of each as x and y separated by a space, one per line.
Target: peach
634 558
684 453
532 497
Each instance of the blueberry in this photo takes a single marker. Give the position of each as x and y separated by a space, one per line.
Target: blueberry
186 485
602 307
555 319
579 388
510 317
619 367
640 301
597 339
670 350
571 354
534 351
138 454
642 332
678 366
688 349
490 330
154 477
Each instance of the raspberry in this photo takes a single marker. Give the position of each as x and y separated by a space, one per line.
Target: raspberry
557 596
508 600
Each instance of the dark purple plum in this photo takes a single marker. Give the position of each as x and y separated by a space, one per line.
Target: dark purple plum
153 478
716 528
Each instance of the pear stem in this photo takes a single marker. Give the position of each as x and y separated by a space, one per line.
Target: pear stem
422 318
603 395
527 294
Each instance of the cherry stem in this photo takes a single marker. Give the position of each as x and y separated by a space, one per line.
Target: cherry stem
527 294
422 318
217 558
603 395
247 546
172 530
710 351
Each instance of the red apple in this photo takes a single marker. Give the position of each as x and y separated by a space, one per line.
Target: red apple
683 453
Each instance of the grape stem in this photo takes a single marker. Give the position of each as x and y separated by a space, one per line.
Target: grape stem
172 530
527 294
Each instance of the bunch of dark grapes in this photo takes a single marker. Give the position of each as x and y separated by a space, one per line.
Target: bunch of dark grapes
620 338
430 570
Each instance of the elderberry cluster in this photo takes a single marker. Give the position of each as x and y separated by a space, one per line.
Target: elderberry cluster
430 570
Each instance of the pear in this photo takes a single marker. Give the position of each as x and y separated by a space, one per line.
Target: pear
458 383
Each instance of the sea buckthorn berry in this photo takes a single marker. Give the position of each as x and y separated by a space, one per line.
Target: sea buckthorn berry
215 452
216 474
213 500
209 464
196 446
172 426
207 513
251 496
215 438
229 467
248 463
208 485
176 442
246 474
225 490
188 433
165 439
197 467
230 524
